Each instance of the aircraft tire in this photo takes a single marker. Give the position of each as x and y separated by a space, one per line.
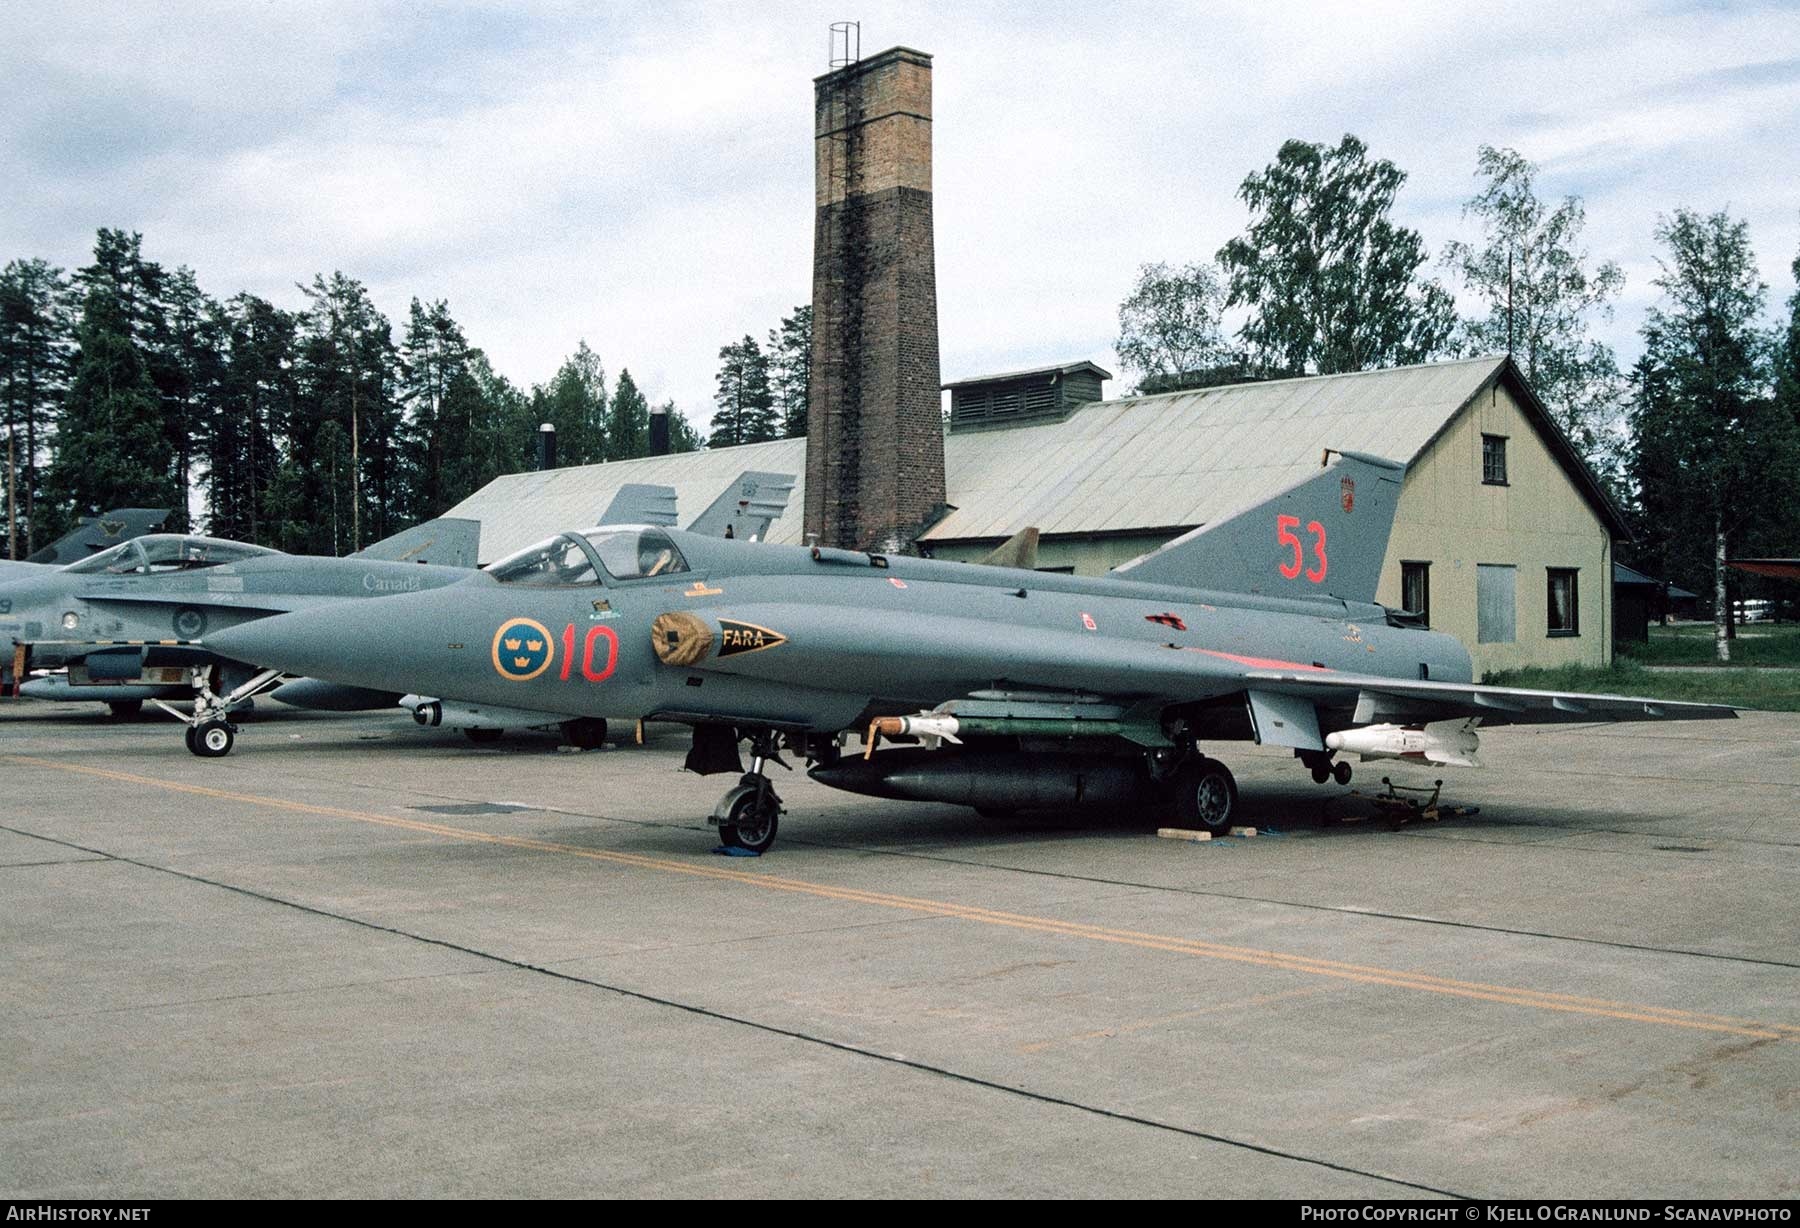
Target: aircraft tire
1340 772
744 827
211 740
484 735
1206 796
126 709
1320 774
585 732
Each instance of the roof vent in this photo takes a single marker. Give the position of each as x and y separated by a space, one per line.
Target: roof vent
1042 394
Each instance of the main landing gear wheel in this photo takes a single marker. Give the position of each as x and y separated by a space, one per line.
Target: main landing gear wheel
1340 772
212 739
1206 796
751 819
484 735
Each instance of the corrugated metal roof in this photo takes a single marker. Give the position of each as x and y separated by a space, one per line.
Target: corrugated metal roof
521 508
1187 458
1177 459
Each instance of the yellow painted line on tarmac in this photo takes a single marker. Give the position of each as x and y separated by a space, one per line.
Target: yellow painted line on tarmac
1282 961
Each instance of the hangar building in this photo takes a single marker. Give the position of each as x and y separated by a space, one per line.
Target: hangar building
1502 537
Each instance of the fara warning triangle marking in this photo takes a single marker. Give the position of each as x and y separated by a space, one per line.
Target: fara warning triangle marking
737 638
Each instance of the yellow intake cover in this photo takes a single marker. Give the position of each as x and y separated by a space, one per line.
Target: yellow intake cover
680 638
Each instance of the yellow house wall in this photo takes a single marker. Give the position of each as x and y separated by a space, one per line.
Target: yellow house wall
1539 520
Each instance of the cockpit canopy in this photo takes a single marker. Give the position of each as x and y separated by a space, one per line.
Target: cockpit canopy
165 552
633 553
626 552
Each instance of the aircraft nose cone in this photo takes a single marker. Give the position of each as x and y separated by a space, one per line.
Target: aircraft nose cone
356 642
304 642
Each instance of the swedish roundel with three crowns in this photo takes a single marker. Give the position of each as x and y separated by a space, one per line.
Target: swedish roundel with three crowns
522 649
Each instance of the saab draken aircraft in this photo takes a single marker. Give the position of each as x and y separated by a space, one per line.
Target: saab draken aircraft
1008 689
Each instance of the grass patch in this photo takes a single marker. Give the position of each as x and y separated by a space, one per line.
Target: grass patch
1768 690
1756 644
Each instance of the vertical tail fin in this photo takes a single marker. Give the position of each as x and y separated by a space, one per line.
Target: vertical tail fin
641 503
1325 536
747 508
1020 550
102 532
449 541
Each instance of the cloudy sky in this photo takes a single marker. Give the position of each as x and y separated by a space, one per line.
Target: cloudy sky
640 175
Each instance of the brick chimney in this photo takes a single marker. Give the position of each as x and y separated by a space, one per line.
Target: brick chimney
875 443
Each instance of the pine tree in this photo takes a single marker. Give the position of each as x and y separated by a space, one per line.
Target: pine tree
346 375
682 435
245 439
36 341
790 370
746 407
628 420
187 366
574 401
443 405
111 450
505 430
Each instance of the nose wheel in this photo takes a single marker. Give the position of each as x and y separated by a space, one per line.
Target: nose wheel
210 732
212 739
749 815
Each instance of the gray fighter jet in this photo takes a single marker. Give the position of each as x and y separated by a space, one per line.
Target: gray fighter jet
743 512
1007 689
127 622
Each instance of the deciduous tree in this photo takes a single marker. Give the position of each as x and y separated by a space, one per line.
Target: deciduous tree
1714 452
1331 282
1538 296
1170 331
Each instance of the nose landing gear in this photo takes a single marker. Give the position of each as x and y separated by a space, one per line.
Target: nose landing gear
750 813
210 732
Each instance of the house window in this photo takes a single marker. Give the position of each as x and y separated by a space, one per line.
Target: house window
1565 611
1415 589
1493 460
1495 586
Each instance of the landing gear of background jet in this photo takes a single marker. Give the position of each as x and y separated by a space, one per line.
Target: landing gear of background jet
749 815
211 739
126 709
484 734
1205 795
